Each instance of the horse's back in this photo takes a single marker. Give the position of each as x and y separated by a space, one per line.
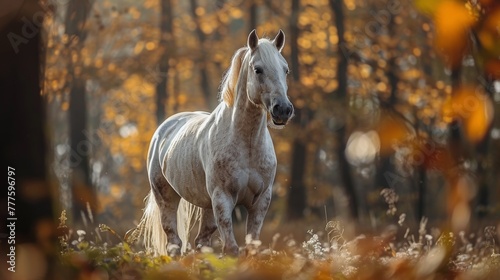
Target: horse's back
168 128
177 121
173 127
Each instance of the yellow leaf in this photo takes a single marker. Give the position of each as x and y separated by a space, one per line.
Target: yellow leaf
182 99
139 47
200 11
236 13
150 46
65 106
427 6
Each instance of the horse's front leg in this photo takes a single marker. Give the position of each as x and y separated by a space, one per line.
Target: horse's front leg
207 228
257 213
223 205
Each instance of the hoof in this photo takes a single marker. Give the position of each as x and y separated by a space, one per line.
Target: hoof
173 250
232 251
204 249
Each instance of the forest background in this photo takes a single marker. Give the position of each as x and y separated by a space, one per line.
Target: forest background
391 95
391 164
394 101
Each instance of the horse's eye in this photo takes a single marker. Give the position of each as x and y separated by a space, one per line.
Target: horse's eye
258 70
287 71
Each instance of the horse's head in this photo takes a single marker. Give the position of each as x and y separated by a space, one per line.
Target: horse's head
266 82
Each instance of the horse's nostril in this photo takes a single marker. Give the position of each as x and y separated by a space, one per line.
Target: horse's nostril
276 109
282 110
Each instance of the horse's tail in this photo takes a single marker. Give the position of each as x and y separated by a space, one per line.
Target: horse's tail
151 231
187 215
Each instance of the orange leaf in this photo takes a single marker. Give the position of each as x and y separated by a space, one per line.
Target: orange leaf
453 21
477 124
486 3
390 131
474 109
492 69
489 33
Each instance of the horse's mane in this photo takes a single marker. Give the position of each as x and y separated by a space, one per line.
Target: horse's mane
230 79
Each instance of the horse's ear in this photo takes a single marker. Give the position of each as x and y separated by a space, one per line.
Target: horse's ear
252 40
279 40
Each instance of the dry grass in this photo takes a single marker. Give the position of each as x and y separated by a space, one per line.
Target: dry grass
334 252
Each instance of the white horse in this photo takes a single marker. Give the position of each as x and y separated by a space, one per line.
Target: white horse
209 163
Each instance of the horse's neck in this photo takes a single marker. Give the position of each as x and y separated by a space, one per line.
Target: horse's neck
247 119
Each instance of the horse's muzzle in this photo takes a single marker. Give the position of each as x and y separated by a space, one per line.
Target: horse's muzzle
282 112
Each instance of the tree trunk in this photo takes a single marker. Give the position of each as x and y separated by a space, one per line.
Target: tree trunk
202 62
23 149
345 170
484 159
385 165
168 44
455 138
252 16
82 189
296 199
80 148
421 169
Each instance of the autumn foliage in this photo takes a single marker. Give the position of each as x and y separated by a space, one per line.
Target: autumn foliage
407 133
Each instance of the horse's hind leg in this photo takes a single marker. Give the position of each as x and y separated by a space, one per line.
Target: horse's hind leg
168 202
207 228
